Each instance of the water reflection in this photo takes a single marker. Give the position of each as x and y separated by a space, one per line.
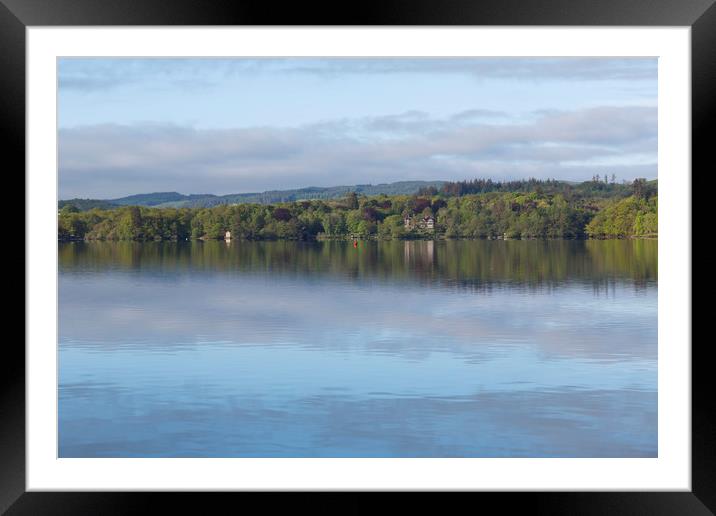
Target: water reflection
535 262
395 349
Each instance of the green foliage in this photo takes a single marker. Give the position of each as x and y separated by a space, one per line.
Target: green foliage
522 214
352 201
596 188
633 216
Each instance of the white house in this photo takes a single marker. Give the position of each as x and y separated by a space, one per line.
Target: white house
423 223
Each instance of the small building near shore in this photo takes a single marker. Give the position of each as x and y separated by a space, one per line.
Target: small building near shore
227 236
427 222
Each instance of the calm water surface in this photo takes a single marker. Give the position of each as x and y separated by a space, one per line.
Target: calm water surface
393 349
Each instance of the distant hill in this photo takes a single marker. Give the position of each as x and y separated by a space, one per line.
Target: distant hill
593 189
86 204
166 199
177 200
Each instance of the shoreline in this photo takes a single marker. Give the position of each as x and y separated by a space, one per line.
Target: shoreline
361 239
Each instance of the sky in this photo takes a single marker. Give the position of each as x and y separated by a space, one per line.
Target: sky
234 125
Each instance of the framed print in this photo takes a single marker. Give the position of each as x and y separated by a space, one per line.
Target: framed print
417 253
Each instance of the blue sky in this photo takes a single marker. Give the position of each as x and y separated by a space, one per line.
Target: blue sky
237 125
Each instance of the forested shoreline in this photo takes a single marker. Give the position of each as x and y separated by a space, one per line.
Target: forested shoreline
466 209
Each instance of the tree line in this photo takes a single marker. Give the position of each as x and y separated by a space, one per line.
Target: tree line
597 187
476 209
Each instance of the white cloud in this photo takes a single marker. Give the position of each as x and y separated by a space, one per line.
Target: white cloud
110 160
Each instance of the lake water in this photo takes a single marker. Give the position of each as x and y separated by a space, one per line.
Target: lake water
390 349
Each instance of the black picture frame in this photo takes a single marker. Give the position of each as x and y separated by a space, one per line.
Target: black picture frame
16 15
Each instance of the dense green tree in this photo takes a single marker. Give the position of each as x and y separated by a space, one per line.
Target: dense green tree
534 210
352 201
633 216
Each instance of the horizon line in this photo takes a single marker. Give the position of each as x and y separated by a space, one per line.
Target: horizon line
347 186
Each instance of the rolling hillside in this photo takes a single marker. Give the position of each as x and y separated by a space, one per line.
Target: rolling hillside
177 200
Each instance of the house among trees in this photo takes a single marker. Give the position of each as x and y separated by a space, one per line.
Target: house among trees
426 222
227 236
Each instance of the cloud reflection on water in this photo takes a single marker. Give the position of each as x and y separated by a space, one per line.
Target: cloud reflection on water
165 359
